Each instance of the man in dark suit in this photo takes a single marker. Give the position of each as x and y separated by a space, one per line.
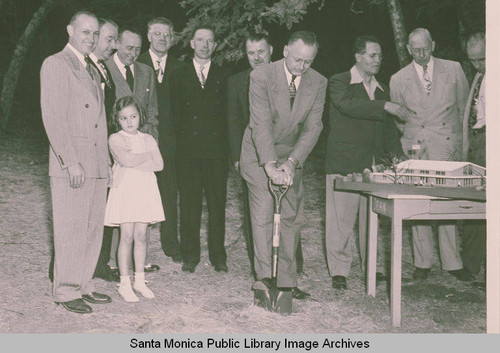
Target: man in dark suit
286 104
474 149
135 79
198 92
161 38
361 134
74 117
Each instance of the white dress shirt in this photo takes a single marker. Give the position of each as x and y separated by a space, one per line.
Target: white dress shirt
420 70
370 86
206 69
289 77
163 61
121 66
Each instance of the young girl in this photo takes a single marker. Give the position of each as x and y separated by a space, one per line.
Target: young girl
134 200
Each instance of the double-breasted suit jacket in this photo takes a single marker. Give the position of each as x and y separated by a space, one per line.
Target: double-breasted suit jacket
437 126
201 157
276 131
166 126
75 121
144 91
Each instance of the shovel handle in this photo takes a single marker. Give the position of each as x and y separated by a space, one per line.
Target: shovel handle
278 192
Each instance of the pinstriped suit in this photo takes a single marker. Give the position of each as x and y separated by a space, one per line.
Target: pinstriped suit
75 121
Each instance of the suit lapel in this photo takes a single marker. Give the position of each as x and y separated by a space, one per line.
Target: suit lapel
280 90
119 81
303 98
438 80
81 72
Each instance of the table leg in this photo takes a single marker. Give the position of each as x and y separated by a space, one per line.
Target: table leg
396 257
371 267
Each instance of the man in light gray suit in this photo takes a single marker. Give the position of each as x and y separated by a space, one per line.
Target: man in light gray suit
436 90
74 117
286 104
135 79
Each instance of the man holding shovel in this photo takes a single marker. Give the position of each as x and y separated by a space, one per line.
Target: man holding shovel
286 105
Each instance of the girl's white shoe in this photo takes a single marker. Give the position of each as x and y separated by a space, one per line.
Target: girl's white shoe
144 290
127 293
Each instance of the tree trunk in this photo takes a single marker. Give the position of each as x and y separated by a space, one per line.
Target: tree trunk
399 29
12 75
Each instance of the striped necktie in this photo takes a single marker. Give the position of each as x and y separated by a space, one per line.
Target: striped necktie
427 80
292 90
202 77
159 71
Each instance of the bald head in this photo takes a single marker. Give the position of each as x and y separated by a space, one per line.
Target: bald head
476 51
420 45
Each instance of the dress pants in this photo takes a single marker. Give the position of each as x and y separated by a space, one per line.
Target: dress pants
167 182
261 215
78 216
474 241
102 267
195 176
342 209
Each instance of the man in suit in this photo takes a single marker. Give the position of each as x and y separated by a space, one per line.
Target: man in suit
161 38
474 149
106 45
135 79
74 117
361 134
286 104
198 92
436 90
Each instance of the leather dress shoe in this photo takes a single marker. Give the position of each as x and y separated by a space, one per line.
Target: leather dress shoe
220 267
339 282
421 274
300 294
151 268
76 306
188 267
96 298
462 275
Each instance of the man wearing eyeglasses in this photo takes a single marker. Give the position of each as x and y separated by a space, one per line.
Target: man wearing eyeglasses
361 133
161 39
436 90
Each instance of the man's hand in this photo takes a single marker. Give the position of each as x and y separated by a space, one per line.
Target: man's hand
401 111
76 176
288 168
277 176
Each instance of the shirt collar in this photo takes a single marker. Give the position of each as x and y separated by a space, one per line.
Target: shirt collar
120 65
206 67
93 57
289 76
420 68
357 78
78 55
155 57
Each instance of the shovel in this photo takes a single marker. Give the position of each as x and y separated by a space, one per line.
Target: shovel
266 292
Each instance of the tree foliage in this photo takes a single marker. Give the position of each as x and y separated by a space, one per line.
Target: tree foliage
232 20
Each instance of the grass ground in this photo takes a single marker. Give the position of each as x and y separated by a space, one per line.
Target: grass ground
206 301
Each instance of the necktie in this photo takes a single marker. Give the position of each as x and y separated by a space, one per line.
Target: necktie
129 77
202 77
89 66
292 90
159 71
427 80
104 71
473 106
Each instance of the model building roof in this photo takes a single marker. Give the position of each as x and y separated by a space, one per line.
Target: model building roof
434 165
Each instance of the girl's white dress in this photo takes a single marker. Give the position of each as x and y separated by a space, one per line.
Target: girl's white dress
134 194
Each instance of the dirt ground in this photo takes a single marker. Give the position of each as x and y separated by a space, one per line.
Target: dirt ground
206 301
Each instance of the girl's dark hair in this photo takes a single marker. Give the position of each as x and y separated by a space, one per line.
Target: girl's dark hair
123 103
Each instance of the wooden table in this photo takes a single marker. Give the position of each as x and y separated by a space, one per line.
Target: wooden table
404 207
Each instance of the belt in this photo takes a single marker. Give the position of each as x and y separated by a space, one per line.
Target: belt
479 131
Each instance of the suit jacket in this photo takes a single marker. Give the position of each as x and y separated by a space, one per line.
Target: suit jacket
144 92
360 129
276 131
238 111
109 96
74 116
437 126
166 134
199 114
481 107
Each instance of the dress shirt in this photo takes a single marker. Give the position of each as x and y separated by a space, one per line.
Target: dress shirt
420 70
289 78
481 106
206 68
370 86
121 67
163 61
95 59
